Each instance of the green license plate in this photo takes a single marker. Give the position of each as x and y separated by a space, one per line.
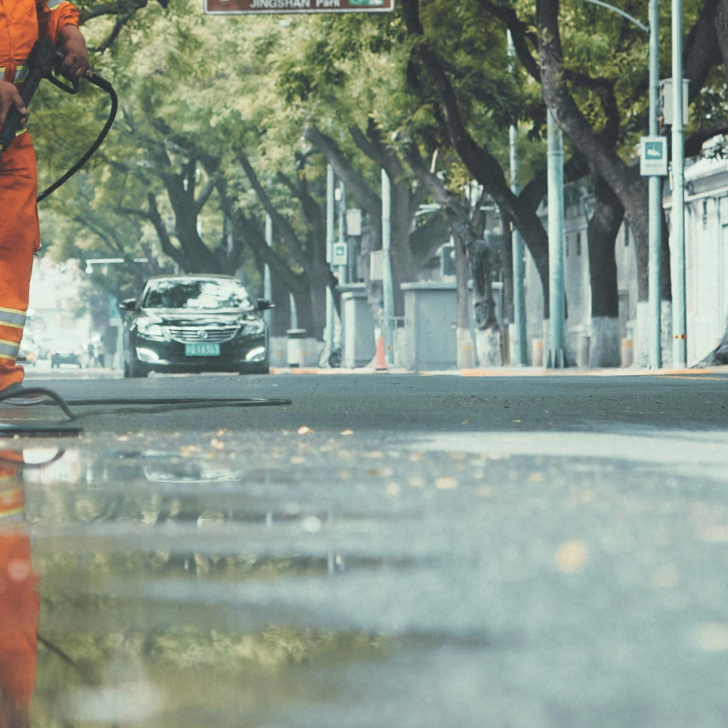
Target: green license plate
202 349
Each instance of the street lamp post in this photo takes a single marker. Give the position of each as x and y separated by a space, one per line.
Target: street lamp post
519 348
677 227
655 200
557 310
267 281
387 285
330 222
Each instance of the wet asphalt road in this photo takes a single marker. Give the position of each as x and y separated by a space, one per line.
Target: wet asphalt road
411 403
530 552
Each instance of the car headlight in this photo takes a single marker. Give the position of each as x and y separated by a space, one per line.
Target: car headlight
151 328
254 326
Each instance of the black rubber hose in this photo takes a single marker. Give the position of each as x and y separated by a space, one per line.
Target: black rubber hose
104 85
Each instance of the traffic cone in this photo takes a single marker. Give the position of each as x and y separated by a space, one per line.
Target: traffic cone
381 359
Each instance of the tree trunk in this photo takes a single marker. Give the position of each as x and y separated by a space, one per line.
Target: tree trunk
479 161
281 314
602 232
465 353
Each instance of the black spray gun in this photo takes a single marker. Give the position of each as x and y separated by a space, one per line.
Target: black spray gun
42 62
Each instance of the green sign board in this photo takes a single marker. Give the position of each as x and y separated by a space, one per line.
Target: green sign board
272 7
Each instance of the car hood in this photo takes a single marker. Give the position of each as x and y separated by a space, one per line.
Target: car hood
176 317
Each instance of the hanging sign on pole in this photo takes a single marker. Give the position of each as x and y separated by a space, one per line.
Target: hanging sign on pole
271 7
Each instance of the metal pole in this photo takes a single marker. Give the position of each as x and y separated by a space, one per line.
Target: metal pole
557 340
655 199
267 282
520 348
330 221
388 290
679 317
343 269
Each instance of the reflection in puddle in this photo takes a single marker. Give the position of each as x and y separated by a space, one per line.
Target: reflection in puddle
111 652
19 604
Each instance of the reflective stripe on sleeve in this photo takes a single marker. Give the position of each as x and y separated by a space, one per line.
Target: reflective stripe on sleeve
9 348
12 317
21 73
54 3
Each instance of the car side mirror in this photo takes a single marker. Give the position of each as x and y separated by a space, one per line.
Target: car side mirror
128 304
264 305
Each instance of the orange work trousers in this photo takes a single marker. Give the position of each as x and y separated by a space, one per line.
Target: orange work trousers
19 239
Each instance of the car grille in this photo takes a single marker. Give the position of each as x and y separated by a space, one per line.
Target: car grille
211 334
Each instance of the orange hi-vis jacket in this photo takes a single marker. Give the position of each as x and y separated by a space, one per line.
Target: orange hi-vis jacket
22 22
19 600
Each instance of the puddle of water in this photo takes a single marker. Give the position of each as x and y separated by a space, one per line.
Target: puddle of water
285 581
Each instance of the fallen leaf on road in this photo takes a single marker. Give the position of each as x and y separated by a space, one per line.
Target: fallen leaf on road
346 433
393 489
571 557
217 444
711 637
416 482
536 477
666 577
446 483
304 430
312 524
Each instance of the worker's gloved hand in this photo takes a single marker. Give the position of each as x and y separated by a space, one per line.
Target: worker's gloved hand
72 46
9 97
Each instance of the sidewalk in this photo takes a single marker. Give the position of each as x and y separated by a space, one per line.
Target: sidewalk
513 372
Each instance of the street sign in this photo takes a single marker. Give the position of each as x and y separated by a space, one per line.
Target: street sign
653 156
271 7
341 254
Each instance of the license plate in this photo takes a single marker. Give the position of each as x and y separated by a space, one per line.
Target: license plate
202 349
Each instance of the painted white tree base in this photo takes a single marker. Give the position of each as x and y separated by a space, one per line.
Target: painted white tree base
642 335
488 346
605 348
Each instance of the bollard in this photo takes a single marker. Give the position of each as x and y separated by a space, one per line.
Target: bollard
536 352
627 352
295 347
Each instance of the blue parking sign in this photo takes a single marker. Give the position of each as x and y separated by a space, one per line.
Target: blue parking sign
653 156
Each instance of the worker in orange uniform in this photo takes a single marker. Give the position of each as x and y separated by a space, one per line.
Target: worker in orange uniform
22 23
19 601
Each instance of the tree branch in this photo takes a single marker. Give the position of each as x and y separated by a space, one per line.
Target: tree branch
283 226
355 183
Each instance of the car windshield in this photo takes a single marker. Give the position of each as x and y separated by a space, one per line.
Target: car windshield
201 294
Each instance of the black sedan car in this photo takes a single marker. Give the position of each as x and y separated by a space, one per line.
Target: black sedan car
194 323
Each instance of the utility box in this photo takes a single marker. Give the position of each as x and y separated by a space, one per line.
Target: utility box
357 327
430 340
